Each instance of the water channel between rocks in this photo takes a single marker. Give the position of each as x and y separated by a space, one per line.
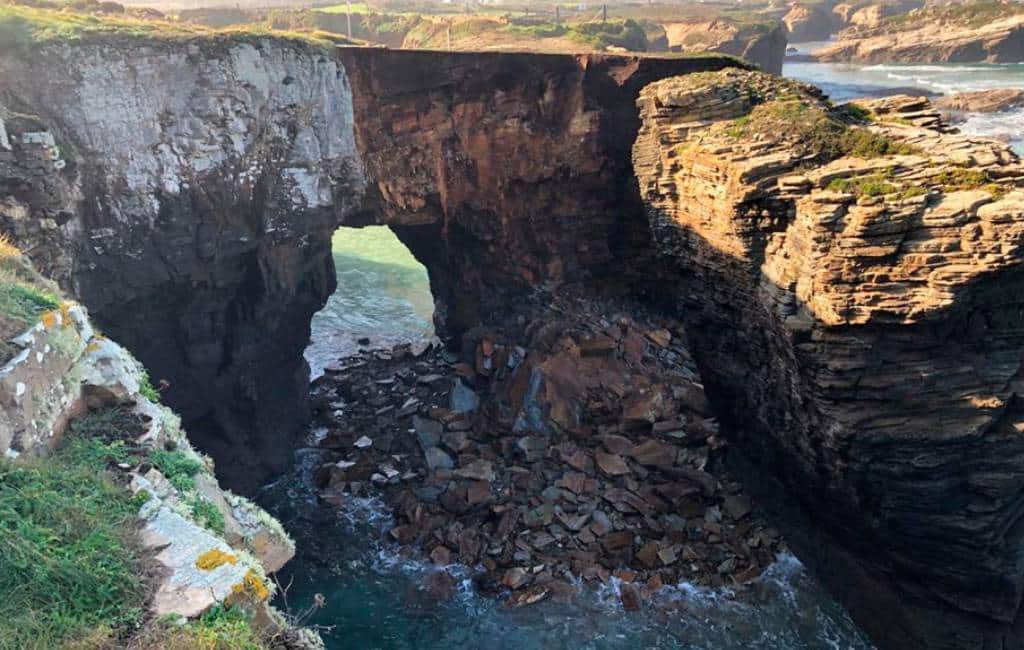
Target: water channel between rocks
375 598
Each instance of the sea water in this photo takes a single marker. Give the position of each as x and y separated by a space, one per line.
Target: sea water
846 81
375 598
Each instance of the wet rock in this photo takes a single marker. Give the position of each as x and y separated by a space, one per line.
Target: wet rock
737 506
462 398
479 469
611 464
441 555
630 597
515 578
437 459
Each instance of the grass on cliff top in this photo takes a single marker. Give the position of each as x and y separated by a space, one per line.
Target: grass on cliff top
69 570
24 296
819 130
22 26
972 15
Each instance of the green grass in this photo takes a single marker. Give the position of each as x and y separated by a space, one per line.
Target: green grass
972 15
68 570
179 468
871 185
22 27
818 129
24 302
207 515
147 390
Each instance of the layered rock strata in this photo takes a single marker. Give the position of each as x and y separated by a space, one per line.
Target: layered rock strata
469 157
854 319
763 44
933 38
188 191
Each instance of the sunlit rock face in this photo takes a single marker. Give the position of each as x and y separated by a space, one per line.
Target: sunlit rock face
864 347
209 176
503 172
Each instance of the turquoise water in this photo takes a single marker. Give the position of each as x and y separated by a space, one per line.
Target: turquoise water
383 294
377 599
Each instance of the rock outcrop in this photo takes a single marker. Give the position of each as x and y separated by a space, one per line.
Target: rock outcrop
468 157
852 293
67 373
934 36
761 43
190 203
809 23
982 101
187 193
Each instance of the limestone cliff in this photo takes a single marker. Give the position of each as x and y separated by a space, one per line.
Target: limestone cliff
761 43
186 192
852 306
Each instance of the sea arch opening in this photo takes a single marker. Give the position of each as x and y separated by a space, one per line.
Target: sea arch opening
383 298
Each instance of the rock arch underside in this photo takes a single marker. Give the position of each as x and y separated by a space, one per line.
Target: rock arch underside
862 355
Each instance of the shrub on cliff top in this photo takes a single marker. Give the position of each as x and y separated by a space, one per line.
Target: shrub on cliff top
68 570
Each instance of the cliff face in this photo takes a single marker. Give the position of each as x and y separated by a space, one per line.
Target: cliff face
469 157
189 203
194 190
762 44
928 38
855 322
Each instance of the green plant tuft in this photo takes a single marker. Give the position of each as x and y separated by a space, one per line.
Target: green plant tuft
207 514
179 468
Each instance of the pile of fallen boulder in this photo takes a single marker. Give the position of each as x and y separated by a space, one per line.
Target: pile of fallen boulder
572 442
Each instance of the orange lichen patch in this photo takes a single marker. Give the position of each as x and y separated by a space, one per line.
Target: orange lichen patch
252 586
214 558
65 313
92 347
49 319
7 247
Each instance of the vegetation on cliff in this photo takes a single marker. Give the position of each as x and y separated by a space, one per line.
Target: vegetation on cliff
24 26
24 294
68 566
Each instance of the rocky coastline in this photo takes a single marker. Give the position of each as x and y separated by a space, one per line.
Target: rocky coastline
573 442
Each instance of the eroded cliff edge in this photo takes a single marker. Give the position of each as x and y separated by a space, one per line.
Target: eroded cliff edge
853 298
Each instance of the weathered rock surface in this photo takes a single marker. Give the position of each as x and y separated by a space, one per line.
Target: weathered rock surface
65 371
931 38
809 23
764 45
860 340
468 157
216 172
982 101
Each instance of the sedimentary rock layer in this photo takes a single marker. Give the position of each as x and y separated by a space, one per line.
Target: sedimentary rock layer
856 321
503 171
187 191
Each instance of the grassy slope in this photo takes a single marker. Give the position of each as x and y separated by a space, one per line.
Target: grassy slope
22 26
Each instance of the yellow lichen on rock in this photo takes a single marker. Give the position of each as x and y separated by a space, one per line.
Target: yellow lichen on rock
214 558
252 586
